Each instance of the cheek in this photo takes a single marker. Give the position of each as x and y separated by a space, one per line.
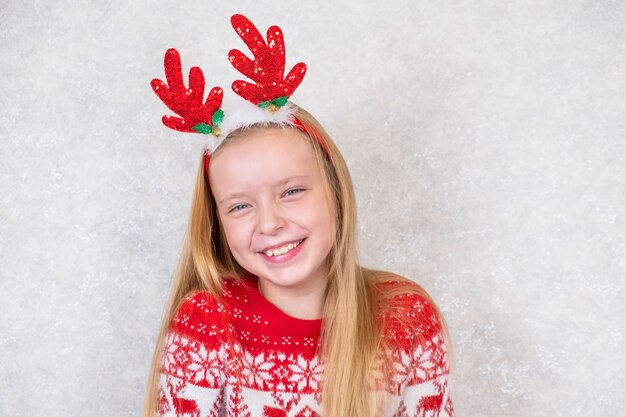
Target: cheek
236 234
321 217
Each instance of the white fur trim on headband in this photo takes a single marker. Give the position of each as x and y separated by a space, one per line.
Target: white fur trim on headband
247 114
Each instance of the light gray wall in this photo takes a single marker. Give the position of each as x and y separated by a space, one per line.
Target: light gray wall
487 142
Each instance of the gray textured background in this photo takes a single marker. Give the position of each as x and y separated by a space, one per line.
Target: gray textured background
487 142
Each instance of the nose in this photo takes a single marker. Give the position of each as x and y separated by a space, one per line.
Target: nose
270 219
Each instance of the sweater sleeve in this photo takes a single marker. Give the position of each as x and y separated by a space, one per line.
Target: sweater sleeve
426 390
421 362
193 371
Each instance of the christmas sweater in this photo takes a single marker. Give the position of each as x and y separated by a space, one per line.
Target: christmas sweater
239 355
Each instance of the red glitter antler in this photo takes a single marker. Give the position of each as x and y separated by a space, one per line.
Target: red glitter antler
267 68
187 103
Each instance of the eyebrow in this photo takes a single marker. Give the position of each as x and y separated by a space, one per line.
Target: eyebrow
230 197
281 183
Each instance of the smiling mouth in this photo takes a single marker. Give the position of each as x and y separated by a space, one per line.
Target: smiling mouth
283 249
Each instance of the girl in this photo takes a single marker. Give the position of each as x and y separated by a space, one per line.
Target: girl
270 313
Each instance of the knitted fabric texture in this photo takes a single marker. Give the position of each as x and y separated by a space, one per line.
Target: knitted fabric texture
242 356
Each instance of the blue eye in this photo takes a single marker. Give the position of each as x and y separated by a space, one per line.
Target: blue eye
293 191
238 207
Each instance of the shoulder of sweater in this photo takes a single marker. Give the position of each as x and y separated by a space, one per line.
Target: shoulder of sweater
202 316
406 312
205 303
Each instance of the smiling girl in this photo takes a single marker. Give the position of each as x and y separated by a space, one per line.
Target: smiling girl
277 215
270 313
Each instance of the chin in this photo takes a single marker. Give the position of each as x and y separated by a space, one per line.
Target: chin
292 277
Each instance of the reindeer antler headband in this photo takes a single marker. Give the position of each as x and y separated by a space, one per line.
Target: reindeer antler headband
269 92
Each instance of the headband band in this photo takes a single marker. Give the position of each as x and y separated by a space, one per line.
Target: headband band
297 123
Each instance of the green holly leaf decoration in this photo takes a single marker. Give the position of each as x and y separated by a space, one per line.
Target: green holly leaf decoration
280 101
203 128
218 117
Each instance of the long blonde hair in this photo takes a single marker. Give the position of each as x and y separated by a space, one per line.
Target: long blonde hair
351 337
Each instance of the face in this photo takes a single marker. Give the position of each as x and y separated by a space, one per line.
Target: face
273 207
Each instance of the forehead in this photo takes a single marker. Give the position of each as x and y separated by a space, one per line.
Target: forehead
262 158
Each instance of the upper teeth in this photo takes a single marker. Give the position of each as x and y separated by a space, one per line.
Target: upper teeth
282 249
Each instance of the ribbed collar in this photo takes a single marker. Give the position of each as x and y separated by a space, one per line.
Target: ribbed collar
282 322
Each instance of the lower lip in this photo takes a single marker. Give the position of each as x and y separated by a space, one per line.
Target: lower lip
285 256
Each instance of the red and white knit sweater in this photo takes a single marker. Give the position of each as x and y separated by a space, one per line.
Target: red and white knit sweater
241 356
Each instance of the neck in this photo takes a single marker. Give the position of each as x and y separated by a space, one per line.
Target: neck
301 303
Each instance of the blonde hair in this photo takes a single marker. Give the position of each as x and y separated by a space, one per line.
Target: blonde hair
352 340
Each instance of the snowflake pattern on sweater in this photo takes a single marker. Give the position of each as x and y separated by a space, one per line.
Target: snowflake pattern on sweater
240 356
